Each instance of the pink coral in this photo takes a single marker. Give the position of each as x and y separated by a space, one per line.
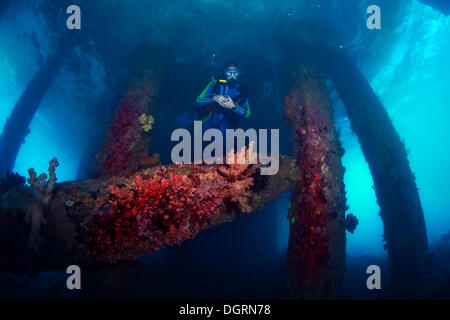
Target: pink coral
165 207
124 149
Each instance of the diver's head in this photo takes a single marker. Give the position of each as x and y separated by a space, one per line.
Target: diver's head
232 72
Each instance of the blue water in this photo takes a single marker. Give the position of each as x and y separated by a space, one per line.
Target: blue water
407 63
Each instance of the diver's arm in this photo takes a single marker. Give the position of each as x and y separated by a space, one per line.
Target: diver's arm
239 110
242 109
241 106
206 97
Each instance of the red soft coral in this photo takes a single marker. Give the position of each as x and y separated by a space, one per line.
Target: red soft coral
125 146
165 207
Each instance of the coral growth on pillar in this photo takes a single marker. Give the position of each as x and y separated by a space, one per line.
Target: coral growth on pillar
165 207
125 148
317 215
110 219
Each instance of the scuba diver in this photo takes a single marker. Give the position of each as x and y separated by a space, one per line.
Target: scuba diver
224 100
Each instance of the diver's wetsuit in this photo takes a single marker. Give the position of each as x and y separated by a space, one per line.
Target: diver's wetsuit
219 117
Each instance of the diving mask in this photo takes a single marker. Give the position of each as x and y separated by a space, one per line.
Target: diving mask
232 73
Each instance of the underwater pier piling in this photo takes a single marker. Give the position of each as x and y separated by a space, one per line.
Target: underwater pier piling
106 221
18 123
442 6
316 251
395 187
126 146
